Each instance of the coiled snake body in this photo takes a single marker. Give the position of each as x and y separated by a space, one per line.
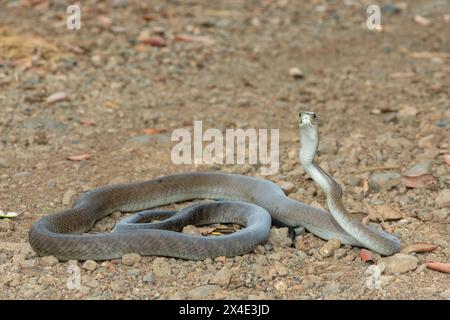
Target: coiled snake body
244 200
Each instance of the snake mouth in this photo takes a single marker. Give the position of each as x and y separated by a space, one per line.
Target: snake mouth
306 118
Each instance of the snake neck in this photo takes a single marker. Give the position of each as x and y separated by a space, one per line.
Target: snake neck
309 143
378 241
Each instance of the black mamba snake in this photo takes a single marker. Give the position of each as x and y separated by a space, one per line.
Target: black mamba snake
244 200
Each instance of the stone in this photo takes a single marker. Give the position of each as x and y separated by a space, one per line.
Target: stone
130 259
22 174
222 277
258 250
134 272
339 253
280 269
27 264
419 169
150 139
400 263
161 268
243 102
384 181
279 237
390 9
443 198
68 196
202 291
428 142
296 73
119 286
331 289
223 258
407 114
264 272
441 214
445 294
329 248
280 286
3 163
190 229
49 261
148 278
89 265
442 123
91 283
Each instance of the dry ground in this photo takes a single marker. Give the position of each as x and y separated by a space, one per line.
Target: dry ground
382 96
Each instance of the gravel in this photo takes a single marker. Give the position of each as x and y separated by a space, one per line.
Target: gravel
390 113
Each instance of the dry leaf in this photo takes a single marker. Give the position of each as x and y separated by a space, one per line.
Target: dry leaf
372 215
206 230
366 255
439 266
190 38
88 122
154 41
386 212
447 159
365 185
402 75
423 55
382 213
419 176
79 157
422 20
423 181
153 131
419 247
55 97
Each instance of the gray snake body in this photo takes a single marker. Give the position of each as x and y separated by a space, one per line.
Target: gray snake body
245 200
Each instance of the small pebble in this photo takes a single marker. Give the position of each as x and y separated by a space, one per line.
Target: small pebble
329 248
148 278
49 261
279 237
296 73
89 265
131 259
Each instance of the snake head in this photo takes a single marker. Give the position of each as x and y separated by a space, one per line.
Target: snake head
306 118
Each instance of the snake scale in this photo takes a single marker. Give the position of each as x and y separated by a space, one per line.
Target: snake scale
249 201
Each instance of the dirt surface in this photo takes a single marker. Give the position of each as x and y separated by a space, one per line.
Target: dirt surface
382 98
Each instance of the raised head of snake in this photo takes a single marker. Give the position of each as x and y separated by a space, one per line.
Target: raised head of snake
379 241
